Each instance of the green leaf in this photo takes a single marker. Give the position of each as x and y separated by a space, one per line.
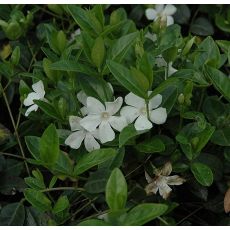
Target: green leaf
127 133
202 173
98 52
169 96
93 222
122 46
220 81
93 158
153 145
72 66
143 213
48 109
222 23
97 181
49 145
35 183
221 137
33 144
61 205
38 199
85 19
202 27
123 75
116 190
12 214
208 53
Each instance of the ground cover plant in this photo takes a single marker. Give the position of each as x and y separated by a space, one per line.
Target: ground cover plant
114 115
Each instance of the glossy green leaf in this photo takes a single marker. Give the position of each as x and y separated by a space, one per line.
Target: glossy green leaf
123 75
49 145
93 222
153 145
202 27
38 199
32 144
220 81
202 173
93 158
143 213
221 137
61 205
116 190
12 214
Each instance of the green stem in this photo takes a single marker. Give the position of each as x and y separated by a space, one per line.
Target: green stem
62 188
15 128
163 221
12 155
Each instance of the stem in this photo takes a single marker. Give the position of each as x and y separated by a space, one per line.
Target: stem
163 221
201 100
15 129
62 188
12 155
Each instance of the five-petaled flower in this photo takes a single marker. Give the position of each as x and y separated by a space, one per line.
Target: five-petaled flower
38 94
79 134
137 109
162 180
164 13
103 116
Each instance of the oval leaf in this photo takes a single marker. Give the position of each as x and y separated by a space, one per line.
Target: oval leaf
202 173
116 190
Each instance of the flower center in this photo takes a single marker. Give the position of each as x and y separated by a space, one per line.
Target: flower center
143 111
105 115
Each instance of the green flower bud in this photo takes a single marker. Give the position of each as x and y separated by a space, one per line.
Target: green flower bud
181 99
61 41
13 31
98 52
15 56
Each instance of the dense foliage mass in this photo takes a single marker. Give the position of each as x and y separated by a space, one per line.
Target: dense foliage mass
114 115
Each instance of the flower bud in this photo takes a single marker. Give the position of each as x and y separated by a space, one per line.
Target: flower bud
13 31
98 52
15 57
181 99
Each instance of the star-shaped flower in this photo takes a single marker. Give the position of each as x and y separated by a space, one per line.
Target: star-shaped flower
137 109
79 134
163 12
162 180
38 94
103 116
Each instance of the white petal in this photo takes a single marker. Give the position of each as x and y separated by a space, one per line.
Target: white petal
111 87
113 107
164 190
29 100
94 106
152 37
30 109
90 122
148 178
118 123
151 188
159 8
158 116
150 13
39 89
170 20
175 180
160 61
142 123
82 97
166 169
171 70
75 139
84 110
90 143
74 122
130 113
155 101
105 132
134 100
169 10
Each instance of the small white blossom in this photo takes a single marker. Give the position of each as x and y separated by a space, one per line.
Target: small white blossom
38 94
137 109
79 134
162 180
163 12
160 62
103 117
76 33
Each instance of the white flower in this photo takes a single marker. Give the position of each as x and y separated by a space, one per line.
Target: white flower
38 94
102 116
160 62
162 180
164 13
137 109
76 33
79 134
